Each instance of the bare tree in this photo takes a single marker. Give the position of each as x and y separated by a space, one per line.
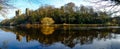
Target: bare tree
4 6
110 6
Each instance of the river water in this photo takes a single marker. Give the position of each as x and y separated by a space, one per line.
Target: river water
48 37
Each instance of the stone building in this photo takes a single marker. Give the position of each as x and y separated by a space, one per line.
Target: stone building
18 12
27 12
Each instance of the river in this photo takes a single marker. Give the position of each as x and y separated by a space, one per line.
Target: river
48 37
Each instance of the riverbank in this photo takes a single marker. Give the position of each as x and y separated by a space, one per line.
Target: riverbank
63 25
66 25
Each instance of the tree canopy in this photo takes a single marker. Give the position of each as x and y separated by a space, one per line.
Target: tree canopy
66 14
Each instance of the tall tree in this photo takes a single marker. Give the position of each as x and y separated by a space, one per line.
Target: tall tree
69 10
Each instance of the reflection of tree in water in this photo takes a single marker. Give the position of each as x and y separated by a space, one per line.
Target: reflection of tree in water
47 30
67 37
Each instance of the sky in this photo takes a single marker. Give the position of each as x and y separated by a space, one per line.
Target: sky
35 4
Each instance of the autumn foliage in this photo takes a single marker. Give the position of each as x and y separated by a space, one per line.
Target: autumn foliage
47 20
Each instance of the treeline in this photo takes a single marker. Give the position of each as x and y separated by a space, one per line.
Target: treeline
67 14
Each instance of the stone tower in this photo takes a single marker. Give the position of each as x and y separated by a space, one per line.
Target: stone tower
18 12
27 12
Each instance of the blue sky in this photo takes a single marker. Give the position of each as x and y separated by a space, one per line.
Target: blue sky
35 4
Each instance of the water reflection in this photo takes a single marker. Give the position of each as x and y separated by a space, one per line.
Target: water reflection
47 35
47 30
19 37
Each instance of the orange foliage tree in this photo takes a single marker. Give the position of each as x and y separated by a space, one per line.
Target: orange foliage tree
47 20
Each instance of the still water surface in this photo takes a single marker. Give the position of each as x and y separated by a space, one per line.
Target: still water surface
60 38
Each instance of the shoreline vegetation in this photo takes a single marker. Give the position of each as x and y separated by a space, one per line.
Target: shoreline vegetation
67 15
65 25
68 26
